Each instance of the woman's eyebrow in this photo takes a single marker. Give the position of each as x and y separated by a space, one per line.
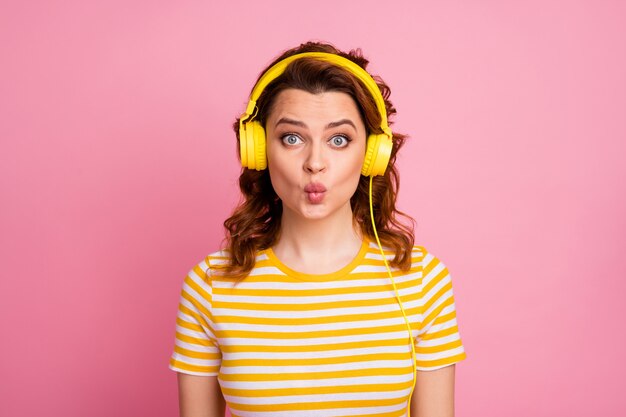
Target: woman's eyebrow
288 121
341 122
330 125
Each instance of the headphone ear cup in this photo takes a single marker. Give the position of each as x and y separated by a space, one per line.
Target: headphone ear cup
259 148
252 145
377 154
243 146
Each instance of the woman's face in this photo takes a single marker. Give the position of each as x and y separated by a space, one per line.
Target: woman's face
315 150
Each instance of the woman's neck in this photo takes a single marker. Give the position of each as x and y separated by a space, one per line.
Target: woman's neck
318 246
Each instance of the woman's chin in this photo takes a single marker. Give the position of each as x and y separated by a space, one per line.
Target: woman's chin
303 210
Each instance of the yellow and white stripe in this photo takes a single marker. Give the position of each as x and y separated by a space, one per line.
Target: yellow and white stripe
283 343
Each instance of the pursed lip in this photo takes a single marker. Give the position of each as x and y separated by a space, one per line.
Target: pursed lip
314 187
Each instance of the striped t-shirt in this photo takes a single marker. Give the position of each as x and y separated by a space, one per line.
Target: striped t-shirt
285 343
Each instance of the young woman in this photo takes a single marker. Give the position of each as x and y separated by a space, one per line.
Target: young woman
315 307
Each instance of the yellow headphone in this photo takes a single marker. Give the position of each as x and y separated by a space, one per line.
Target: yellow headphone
252 133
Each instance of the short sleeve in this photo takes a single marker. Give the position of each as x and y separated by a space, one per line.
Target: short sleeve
196 349
438 342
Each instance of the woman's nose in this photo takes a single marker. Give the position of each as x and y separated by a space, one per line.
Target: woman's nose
315 160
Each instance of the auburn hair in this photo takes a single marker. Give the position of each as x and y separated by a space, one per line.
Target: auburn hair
255 223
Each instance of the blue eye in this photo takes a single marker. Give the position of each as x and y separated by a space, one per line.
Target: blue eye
290 139
340 141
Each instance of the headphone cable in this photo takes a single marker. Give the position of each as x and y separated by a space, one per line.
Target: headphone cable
395 289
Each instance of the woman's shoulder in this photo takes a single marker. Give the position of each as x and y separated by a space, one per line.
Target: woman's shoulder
421 257
424 258
217 258
204 269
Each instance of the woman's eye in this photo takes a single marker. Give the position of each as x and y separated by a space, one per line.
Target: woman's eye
340 141
291 139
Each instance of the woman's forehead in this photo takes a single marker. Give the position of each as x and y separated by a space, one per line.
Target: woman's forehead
295 104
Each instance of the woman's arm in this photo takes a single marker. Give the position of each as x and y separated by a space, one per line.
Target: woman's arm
434 393
199 396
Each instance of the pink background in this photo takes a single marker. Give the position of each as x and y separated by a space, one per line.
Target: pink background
118 168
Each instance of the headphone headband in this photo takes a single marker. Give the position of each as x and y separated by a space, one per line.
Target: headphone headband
252 141
277 69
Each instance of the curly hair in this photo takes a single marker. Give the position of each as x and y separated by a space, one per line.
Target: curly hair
255 223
